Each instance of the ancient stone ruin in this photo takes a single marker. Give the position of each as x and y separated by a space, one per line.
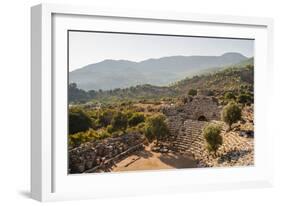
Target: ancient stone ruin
199 108
99 155
186 123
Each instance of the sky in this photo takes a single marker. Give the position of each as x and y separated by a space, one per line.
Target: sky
92 47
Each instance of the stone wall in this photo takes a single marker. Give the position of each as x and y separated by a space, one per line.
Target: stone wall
195 108
100 154
202 106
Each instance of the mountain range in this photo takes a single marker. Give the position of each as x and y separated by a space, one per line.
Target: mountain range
112 74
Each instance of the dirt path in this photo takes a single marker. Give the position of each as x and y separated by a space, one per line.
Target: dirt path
148 160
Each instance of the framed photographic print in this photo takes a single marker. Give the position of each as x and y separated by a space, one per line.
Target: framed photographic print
136 102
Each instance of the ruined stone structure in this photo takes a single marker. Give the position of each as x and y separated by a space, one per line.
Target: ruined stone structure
99 155
236 150
198 109
202 108
186 123
189 136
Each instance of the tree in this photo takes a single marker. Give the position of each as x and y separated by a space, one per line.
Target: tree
79 121
119 121
135 119
245 99
211 134
105 117
192 92
231 113
156 128
78 138
75 94
229 96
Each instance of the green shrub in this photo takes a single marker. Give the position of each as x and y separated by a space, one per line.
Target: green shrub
231 113
78 121
245 98
136 119
211 134
81 137
102 134
110 129
139 128
119 121
105 117
156 128
192 92
229 96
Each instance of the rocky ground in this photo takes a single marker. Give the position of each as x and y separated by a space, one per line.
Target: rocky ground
235 151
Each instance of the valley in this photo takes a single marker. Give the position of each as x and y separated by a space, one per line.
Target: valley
202 120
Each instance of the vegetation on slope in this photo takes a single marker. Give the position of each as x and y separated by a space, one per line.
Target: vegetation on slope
232 79
135 109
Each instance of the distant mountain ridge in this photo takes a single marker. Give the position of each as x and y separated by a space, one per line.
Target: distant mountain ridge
111 74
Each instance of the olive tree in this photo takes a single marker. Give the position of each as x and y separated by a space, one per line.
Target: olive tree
228 96
156 128
136 119
119 121
212 135
245 98
79 121
231 113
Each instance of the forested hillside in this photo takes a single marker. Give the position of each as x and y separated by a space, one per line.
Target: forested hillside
227 79
110 74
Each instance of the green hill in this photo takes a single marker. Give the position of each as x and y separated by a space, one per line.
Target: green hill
231 78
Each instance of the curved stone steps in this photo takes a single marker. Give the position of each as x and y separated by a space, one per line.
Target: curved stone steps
189 136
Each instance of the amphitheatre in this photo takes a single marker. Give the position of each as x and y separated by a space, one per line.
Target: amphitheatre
183 148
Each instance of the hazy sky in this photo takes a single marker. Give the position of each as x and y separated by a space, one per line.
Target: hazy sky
89 47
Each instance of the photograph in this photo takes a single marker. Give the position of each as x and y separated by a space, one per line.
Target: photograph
143 102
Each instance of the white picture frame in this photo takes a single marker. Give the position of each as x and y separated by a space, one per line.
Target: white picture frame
49 178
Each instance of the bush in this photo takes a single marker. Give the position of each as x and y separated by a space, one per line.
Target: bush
78 138
78 121
229 96
156 128
139 128
245 99
102 134
231 113
136 119
110 129
213 138
119 121
105 117
192 92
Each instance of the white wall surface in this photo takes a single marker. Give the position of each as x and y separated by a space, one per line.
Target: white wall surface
15 101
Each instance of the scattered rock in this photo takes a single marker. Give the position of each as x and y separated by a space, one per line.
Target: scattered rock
92 154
